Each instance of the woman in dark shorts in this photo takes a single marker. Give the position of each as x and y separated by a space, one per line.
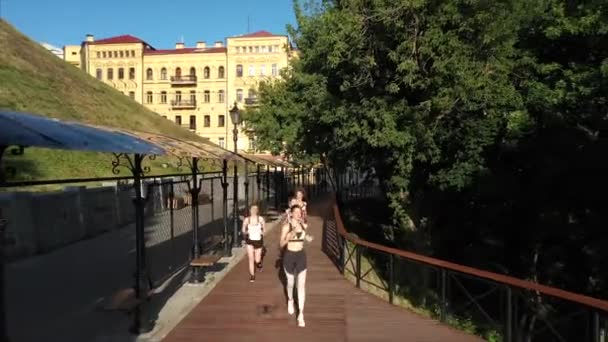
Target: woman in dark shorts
293 235
253 228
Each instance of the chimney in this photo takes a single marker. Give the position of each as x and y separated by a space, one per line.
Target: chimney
201 45
219 43
179 46
90 38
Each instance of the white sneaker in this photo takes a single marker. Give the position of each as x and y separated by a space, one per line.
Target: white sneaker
290 309
301 322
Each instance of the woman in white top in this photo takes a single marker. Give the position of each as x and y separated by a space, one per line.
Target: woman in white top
253 228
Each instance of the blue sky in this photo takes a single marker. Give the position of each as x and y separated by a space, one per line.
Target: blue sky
160 23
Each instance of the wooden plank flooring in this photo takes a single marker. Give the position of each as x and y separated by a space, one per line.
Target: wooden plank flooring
335 310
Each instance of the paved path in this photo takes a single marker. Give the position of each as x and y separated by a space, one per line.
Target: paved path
335 310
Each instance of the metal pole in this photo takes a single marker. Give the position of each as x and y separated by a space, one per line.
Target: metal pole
358 269
444 303
509 318
235 194
258 181
391 278
246 186
194 192
140 273
276 187
227 250
3 242
267 186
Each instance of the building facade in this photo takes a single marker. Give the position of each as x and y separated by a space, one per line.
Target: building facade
195 87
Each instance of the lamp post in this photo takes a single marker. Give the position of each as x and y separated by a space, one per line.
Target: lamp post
235 116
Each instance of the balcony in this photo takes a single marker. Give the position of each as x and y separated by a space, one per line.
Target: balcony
251 101
183 104
183 80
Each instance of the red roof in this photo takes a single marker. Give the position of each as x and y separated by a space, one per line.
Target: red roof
185 51
123 39
258 34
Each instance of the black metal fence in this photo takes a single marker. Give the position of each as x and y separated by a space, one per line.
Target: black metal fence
494 306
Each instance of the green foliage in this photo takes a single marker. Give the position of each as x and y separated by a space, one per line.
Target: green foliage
484 120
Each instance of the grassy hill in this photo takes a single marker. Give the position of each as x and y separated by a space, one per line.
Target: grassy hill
34 80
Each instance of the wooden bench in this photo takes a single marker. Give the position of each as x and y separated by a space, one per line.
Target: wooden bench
124 300
201 263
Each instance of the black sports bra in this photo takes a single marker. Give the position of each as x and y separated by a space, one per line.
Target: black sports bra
300 235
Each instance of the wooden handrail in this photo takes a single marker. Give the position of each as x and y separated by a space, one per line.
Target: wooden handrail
498 278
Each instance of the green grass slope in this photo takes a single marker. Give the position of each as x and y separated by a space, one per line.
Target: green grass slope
33 80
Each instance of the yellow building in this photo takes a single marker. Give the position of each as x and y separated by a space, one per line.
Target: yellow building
194 87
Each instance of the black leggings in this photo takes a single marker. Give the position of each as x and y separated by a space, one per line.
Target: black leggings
294 262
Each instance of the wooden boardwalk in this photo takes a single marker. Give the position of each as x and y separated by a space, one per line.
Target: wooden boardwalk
335 310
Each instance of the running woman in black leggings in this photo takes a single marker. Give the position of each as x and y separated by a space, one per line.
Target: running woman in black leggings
293 235
253 228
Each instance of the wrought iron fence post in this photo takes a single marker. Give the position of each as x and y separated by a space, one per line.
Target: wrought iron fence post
212 200
596 327
235 206
246 186
358 269
258 181
391 278
276 187
3 242
194 192
509 315
140 274
227 250
342 244
267 186
444 301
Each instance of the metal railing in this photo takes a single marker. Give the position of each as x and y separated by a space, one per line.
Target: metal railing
183 79
495 306
183 103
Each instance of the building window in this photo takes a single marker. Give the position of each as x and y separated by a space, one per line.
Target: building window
163 74
99 73
251 70
164 116
103 54
132 53
251 94
220 96
207 121
257 49
115 54
239 70
163 97
221 121
121 73
132 95
221 142
193 96
149 97
98 54
262 69
220 72
206 72
275 70
192 71
178 120
251 49
269 48
110 74
264 47
121 54
239 95
178 73
131 73
237 49
276 48
178 96
252 143
149 74
192 121
207 96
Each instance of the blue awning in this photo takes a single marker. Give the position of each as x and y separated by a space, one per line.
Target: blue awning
33 130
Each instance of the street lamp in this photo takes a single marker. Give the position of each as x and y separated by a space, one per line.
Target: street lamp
235 116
